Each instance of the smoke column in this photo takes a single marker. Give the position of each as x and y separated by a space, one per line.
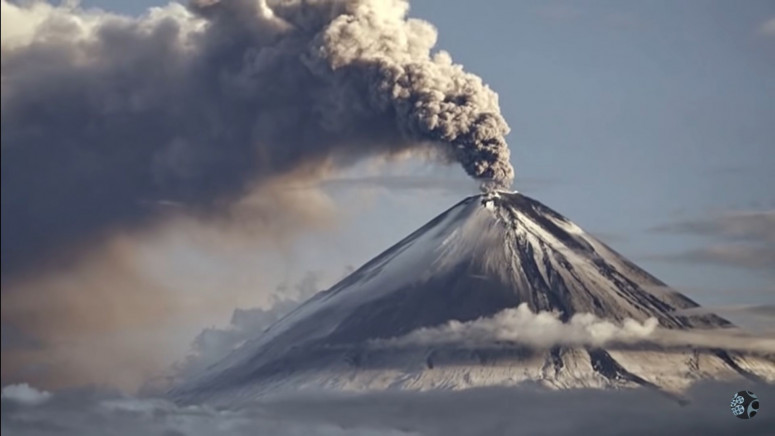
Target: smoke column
103 115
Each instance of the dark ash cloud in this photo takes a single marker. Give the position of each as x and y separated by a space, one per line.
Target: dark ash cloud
491 411
105 116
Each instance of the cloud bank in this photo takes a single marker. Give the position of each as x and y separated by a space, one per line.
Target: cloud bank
529 411
104 115
522 325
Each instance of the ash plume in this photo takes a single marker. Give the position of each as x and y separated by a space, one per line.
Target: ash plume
103 115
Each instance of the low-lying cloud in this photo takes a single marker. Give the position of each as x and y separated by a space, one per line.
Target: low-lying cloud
490 411
545 329
24 394
522 325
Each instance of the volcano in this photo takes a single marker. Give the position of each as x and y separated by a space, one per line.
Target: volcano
488 255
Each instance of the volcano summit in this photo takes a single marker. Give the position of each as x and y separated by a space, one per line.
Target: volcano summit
497 290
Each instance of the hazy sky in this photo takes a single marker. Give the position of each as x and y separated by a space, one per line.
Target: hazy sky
650 124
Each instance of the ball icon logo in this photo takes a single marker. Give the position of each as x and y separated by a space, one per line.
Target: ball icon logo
745 404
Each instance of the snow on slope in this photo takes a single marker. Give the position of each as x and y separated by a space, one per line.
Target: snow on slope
487 254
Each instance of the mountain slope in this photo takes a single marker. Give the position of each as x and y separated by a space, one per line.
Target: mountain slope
487 254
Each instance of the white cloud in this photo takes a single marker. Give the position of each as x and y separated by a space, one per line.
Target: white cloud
24 394
24 24
541 329
545 329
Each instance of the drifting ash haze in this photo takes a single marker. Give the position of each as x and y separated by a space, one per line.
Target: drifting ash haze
499 290
103 115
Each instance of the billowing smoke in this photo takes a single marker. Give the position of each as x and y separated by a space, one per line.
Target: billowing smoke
104 117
